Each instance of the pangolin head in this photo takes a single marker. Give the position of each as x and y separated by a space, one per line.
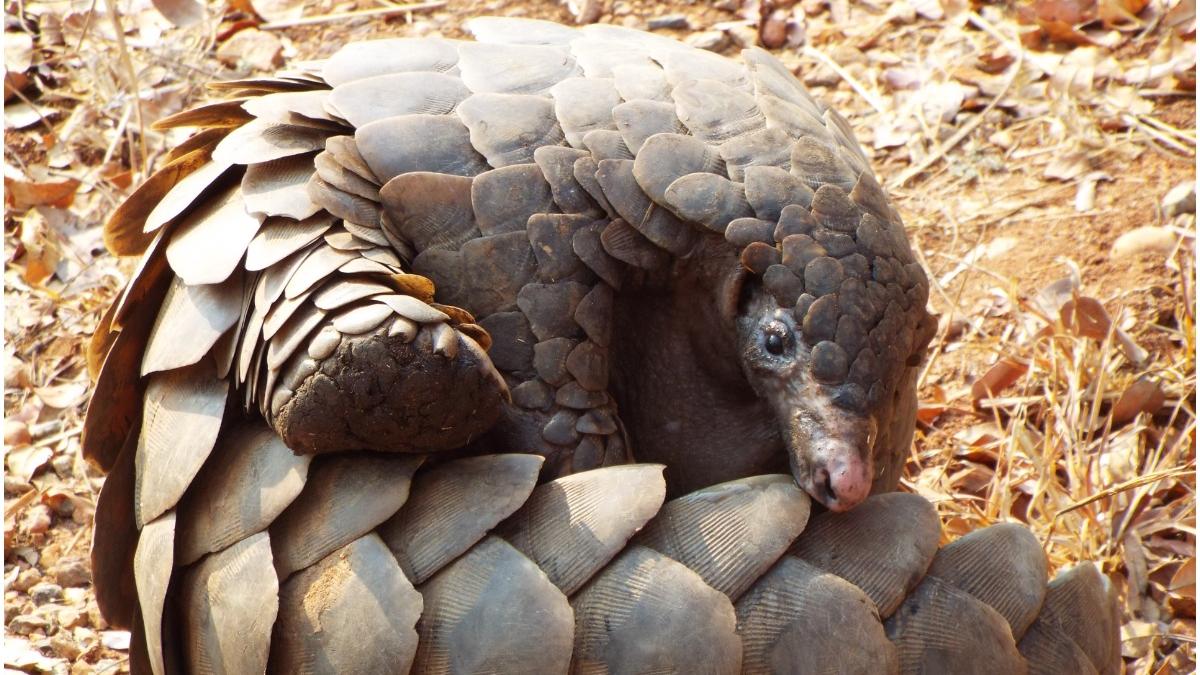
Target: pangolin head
829 321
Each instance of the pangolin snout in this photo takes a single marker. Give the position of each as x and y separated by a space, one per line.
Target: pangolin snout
842 482
831 456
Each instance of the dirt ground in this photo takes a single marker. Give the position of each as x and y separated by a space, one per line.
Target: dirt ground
1031 148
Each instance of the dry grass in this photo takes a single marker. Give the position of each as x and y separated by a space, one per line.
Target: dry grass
1013 166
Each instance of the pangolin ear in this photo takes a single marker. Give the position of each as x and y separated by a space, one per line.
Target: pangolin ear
731 283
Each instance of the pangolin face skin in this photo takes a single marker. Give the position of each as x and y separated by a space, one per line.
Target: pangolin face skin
829 445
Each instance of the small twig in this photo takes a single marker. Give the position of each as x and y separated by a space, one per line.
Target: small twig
1160 136
857 86
338 16
127 61
112 146
1186 470
87 25
41 118
962 133
1174 131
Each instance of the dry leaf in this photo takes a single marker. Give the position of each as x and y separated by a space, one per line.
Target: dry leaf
999 377
62 395
42 252
252 48
1121 13
1068 166
933 403
22 195
996 61
1183 582
941 102
977 435
118 175
20 115
929 9
25 461
974 478
182 13
18 51
16 433
1145 395
1085 193
1071 12
1086 317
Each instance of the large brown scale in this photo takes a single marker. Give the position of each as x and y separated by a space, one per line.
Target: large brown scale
404 317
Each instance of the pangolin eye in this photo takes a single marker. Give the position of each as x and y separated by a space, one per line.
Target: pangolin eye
776 338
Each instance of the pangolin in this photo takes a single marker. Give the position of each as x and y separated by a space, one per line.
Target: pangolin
405 316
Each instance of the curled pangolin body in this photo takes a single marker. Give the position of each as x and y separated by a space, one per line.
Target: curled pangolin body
415 247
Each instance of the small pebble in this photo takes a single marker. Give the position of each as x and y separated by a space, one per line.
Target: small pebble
69 617
85 636
36 520
64 465
251 48
1180 199
712 40
16 485
72 572
26 579
742 35
115 639
16 433
45 592
64 646
26 624
675 21
821 76
774 30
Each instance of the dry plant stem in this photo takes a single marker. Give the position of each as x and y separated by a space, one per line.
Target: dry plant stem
41 118
1160 134
1177 472
963 132
857 86
127 61
87 26
338 16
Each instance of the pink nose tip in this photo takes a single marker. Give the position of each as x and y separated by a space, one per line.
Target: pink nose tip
848 482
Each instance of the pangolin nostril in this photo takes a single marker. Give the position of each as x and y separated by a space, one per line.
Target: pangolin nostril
829 486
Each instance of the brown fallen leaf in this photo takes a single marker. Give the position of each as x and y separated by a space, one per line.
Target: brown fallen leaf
62 395
996 61
1085 317
932 405
23 195
1184 581
25 461
1120 13
13 83
41 251
1144 395
117 175
999 377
